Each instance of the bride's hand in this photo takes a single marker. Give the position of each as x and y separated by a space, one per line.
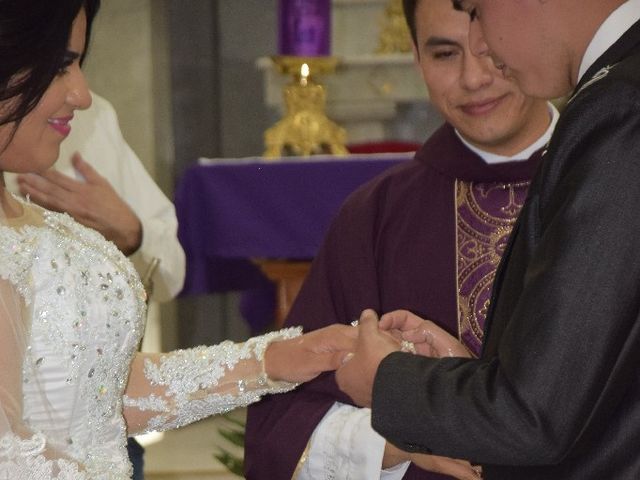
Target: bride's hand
302 358
428 338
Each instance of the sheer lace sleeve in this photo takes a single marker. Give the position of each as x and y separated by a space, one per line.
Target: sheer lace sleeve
23 453
167 391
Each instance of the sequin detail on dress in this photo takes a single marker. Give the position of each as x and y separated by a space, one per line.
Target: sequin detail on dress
195 381
83 337
24 459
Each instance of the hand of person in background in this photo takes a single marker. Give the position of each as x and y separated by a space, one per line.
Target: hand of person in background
303 358
428 338
93 202
355 377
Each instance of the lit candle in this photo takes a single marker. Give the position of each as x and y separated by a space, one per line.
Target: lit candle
304 74
304 28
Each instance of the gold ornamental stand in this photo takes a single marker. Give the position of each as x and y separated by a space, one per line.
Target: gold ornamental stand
305 129
395 36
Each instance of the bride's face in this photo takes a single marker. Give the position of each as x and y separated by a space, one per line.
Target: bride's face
35 145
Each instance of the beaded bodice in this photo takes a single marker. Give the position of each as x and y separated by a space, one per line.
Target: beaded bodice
87 308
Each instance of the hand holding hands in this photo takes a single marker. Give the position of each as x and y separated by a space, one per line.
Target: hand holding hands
356 376
375 341
428 338
304 358
93 203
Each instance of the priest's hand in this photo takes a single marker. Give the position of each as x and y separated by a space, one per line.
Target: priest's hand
303 358
428 338
355 377
460 469
394 456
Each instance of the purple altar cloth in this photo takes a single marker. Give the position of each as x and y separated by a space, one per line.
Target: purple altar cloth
230 211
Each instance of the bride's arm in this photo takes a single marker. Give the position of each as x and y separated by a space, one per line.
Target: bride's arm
171 390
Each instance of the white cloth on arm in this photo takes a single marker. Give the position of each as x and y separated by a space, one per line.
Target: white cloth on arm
344 446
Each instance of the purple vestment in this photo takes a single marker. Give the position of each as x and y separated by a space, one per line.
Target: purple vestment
425 236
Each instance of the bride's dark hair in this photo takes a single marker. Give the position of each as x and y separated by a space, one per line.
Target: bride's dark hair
34 35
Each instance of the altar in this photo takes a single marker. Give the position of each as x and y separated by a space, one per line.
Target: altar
243 220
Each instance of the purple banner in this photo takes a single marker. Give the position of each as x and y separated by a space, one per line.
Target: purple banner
304 28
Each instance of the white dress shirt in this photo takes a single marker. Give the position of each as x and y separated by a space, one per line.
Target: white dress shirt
620 20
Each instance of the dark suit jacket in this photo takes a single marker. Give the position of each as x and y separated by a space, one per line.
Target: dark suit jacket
556 394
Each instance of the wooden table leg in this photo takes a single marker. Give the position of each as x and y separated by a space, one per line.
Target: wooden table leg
288 277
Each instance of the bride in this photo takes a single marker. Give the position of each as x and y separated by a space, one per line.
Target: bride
72 386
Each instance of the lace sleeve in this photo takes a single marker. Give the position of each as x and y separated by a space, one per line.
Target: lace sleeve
23 452
168 391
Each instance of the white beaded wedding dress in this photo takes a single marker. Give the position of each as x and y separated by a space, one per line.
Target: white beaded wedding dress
72 384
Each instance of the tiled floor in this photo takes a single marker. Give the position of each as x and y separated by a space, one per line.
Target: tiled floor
187 453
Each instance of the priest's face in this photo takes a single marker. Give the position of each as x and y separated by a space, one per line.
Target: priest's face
527 40
487 109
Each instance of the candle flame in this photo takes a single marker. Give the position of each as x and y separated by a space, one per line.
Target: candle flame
304 73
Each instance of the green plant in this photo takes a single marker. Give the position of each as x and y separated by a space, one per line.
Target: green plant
234 434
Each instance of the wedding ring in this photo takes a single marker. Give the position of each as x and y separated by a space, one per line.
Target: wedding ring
407 346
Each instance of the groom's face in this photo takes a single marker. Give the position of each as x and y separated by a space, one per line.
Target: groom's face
524 38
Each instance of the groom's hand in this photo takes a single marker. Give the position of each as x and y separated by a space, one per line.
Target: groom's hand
355 377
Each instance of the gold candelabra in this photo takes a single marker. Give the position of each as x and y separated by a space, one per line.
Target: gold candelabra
305 129
395 36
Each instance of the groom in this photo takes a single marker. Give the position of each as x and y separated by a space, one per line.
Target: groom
556 393
426 236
